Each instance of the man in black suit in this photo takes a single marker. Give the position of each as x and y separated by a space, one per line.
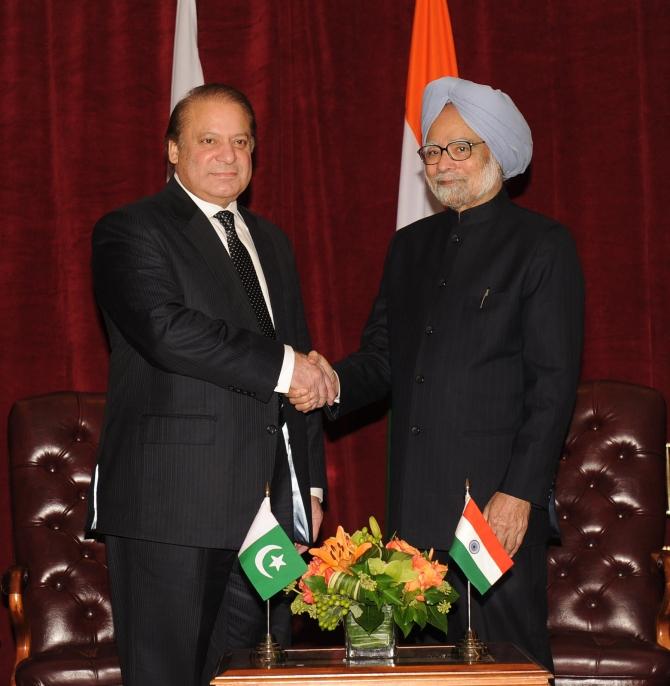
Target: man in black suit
202 305
476 333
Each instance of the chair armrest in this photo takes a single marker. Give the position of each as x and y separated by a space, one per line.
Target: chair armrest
13 583
662 559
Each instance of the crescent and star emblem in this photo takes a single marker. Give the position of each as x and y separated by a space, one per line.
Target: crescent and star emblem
277 560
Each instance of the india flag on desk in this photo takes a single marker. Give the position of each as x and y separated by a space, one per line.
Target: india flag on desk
267 556
476 549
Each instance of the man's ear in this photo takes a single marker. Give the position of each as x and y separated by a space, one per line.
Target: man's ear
173 152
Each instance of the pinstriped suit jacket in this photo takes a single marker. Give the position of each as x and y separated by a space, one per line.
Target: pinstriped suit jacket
477 334
190 432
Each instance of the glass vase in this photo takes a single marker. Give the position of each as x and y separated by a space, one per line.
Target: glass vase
377 646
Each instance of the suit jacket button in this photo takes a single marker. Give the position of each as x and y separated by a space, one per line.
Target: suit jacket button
271 429
416 430
419 378
429 330
443 283
455 238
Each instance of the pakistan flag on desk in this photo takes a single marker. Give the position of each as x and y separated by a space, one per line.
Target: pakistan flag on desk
268 556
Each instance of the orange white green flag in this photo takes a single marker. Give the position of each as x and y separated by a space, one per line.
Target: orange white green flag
432 55
476 549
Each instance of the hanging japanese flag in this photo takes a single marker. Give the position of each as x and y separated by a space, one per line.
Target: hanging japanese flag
476 549
186 68
267 556
431 56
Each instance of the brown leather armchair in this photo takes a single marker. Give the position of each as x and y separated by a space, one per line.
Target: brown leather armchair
58 593
607 616
604 590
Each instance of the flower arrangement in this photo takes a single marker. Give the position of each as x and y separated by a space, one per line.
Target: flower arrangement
361 575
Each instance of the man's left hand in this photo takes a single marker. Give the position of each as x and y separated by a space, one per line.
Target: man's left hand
317 518
508 517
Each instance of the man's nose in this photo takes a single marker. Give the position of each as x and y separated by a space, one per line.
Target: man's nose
445 163
225 152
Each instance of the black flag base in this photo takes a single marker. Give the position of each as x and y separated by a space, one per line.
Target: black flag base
471 649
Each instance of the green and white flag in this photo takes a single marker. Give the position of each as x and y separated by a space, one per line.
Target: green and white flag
267 556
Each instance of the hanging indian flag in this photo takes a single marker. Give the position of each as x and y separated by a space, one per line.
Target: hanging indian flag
476 549
267 556
432 55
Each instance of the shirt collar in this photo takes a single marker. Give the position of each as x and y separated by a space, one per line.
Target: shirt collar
208 208
480 213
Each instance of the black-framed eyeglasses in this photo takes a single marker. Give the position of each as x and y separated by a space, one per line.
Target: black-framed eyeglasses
458 151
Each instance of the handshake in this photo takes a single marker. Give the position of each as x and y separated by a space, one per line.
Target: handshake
314 383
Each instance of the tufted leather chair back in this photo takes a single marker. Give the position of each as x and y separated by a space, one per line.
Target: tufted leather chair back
603 590
610 493
53 441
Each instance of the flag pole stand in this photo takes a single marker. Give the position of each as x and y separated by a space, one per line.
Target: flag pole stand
268 652
470 648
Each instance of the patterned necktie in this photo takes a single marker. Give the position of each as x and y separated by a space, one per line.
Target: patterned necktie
245 268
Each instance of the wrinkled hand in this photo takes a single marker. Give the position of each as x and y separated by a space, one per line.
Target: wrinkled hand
508 517
317 518
304 397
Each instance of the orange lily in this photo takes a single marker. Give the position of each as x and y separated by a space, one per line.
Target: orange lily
402 546
339 552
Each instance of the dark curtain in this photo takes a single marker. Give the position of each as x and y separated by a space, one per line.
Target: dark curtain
84 102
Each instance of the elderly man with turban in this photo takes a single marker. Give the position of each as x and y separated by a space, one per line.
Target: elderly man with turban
476 333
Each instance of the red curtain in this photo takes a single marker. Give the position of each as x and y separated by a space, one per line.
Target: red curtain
84 103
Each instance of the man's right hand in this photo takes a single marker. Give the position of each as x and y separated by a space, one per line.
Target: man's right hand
311 384
314 383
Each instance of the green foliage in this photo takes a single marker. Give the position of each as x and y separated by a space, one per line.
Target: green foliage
374 529
436 618
369 617
369 579
433 596
399 570
330 608
316 584
419 613
402 616
299 606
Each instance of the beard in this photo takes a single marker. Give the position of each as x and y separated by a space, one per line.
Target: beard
463 192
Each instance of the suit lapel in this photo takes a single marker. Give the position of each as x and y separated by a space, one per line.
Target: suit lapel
200 232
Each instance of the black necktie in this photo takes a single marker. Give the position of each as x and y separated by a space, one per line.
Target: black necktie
245 268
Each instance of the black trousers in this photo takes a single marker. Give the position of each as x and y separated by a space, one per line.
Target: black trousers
243 620
165 602
175 612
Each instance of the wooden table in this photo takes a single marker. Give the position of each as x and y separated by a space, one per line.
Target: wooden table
414 666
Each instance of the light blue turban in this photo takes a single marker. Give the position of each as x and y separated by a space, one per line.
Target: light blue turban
490 113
